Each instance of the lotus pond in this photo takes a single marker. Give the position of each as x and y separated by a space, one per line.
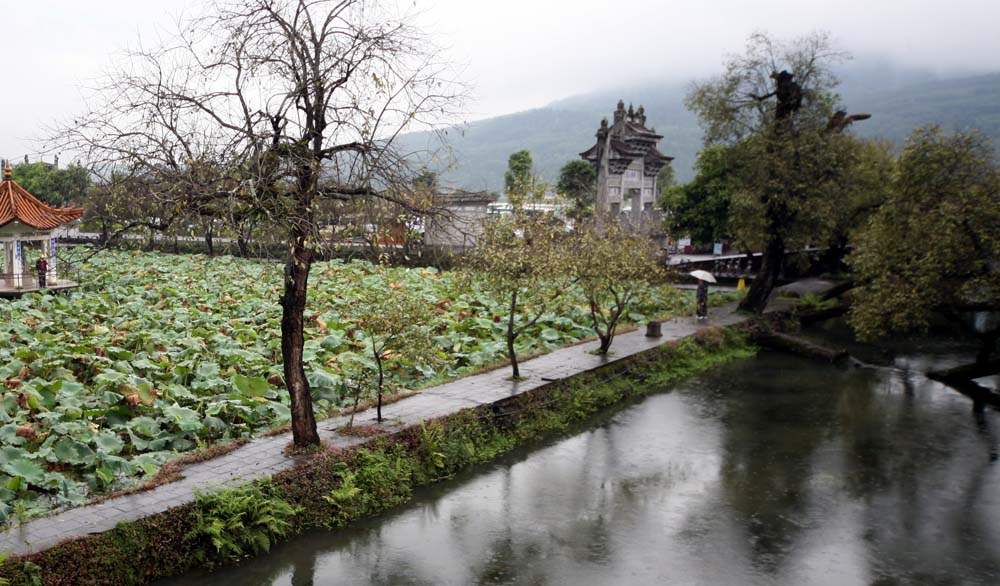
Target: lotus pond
159 354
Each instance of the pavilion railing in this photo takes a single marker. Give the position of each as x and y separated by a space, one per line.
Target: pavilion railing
28 281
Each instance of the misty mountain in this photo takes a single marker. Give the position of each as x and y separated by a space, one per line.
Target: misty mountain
899 101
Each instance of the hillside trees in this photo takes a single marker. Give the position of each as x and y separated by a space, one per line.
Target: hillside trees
295 103
773 106
934 245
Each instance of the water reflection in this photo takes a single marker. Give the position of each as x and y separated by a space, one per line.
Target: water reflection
771 471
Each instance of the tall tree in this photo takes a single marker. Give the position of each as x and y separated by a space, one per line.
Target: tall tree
520 183
700 208
53 185
578 183
934 245
773 106
665 178
304 98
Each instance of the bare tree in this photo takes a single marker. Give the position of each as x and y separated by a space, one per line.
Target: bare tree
295 102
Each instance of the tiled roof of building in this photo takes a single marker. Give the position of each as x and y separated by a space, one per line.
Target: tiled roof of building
591 153
638 130
627 139
17 204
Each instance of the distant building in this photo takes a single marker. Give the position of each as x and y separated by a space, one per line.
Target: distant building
461 222
627 163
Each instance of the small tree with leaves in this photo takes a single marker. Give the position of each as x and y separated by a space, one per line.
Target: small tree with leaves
611 265
397 330
520 264
578 184
521 184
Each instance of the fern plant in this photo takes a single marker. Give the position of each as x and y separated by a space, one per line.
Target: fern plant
813 302
240 522
431 437
344 498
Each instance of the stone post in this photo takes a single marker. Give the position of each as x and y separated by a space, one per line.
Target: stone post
50 256
636 207
8 260
18 278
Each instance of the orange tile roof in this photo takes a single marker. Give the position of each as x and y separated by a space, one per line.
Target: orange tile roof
17 204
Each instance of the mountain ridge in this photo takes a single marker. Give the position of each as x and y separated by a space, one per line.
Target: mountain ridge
557 132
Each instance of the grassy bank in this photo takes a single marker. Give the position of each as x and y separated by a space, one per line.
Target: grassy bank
337 487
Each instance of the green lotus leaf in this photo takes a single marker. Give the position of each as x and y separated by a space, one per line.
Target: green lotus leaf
108 443
251 386
145 426
73 452
185 418
29 471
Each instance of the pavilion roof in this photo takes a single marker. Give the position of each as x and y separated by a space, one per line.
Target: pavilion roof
17 204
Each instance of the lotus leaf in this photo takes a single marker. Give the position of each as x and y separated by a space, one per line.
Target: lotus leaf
24 469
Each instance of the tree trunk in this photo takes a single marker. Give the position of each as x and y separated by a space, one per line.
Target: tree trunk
241 244
609 333
767 277
293 306
510 337
801 347
354 407
209 243
988 345
967 371
381 380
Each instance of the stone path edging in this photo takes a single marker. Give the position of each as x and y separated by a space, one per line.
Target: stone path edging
264 457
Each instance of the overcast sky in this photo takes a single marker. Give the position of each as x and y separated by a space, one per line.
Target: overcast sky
516 54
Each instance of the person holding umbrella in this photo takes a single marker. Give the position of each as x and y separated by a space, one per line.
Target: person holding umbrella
701 296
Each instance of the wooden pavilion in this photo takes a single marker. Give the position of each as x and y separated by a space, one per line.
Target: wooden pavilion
27 231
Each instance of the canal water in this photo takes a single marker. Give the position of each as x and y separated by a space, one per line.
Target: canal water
773 470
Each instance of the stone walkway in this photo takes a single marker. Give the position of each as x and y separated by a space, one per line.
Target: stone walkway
263 457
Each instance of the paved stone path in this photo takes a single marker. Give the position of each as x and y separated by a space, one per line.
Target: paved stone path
263 457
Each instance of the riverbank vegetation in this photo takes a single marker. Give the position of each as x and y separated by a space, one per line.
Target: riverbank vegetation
161 354
337 487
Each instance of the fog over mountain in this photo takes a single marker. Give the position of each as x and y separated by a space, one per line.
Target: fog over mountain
899 99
